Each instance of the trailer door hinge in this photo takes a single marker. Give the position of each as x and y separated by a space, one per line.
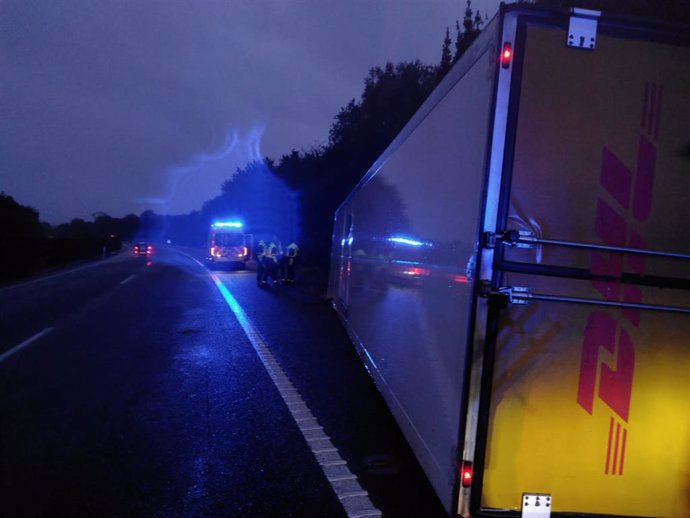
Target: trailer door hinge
512 238
582 29
506 295
518 294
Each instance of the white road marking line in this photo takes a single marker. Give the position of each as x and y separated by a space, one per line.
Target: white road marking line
337 467
333 463
353 494
322 437
25 343
345 477
128 279
325 450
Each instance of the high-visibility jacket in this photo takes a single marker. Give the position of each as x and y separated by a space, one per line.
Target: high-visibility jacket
260 250
272 252
292 250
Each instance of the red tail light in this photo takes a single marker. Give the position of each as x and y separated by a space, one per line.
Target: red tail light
466 474
506 55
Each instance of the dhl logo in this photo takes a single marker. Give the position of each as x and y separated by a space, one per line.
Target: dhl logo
631 193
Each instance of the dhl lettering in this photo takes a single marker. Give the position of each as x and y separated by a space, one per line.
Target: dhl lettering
607 468
616 178
615 450
615 385
632 194
636 264
644 180
600 331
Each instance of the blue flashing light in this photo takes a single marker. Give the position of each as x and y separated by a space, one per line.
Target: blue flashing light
407 241
227 224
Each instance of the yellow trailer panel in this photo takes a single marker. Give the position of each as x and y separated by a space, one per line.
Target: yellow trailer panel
592 404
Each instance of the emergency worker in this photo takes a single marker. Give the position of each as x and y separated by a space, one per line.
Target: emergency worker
259 256
270 265
290 263
280 259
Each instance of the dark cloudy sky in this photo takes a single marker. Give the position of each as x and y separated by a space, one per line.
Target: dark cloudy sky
126 105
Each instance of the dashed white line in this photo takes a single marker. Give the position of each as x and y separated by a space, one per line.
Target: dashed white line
333 463
25 343
325 450
354 499
353 494
128 279
341 478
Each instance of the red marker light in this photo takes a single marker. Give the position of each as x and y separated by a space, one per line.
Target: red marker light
506 55
466 474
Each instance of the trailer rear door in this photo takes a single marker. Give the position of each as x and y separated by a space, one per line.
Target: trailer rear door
590 381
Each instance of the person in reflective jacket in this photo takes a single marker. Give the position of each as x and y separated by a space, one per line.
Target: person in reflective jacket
270 265
288 270
259 256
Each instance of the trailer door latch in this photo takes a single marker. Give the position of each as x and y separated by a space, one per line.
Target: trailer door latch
582 28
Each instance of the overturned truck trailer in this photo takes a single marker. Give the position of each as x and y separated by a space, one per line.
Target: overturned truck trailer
514 270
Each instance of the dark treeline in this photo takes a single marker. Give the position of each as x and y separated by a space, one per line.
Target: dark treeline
295 197
27 245
312 183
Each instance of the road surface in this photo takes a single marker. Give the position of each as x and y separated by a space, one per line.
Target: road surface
134 387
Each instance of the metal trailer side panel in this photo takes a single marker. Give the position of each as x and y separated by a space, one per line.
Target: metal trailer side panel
590 403
404 255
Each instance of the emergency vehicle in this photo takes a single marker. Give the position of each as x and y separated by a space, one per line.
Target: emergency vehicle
228 244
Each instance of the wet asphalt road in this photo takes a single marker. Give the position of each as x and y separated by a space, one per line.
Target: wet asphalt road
135 391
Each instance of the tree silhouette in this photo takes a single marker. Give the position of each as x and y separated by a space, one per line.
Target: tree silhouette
360 133
17 219
259 198
446 56
471 27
